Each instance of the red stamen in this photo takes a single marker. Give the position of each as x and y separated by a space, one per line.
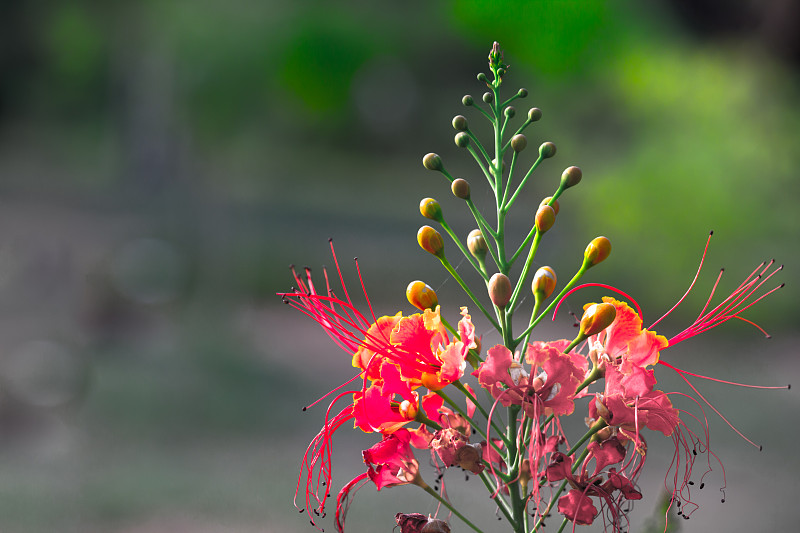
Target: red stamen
603 285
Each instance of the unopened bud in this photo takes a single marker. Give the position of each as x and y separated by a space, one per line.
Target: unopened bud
534 114
509 112
571 177
462 139
432 162
554 205
545 218
421 295
519 142
467 100
488 97
430 209
435 525
502 165
431 241
500 289
481 77
522 93
460 188
477 244
544 283
596 318
547 149
597 251
459 122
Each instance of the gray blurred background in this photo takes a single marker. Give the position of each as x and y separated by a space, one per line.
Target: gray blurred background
162 162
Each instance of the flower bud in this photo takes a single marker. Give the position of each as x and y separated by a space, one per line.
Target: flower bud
430 209
477 244
460 188
462 139
596 318
509 112
597 251
522 93
534 114
502 165
547 150
432 162
460 122
421 295
554 205
467 100
500 289
519 142
431 241
488 97
481 77
544 283
435 525
571 177
545 218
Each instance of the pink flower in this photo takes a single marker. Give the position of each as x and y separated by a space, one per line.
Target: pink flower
550 391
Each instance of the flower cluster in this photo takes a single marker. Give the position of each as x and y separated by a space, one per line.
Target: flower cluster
411 370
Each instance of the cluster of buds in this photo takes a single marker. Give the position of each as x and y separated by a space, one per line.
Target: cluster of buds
410 367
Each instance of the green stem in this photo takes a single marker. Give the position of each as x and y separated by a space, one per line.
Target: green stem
502 504
447 504
463 249
446 264
522 183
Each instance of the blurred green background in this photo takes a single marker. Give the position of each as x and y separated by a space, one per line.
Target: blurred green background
162 162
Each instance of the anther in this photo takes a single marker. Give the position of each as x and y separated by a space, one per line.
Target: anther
702 485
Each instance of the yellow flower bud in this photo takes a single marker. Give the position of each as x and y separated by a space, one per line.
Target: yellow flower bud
545 218
477 244
462 139
554 205
597 251
431 209
544 283
431 241
421 295
500 289
460 188
596 318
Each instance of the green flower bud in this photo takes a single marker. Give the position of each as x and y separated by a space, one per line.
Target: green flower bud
534 114
488 97
421 295
571 177
597 251
467 100
500 289
482 77
554 204
462 139
547 150
460 122
509 112
596 318
432 162
545 218
430 209
544 283
522 93
431 241
460 188
519 142
477 244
